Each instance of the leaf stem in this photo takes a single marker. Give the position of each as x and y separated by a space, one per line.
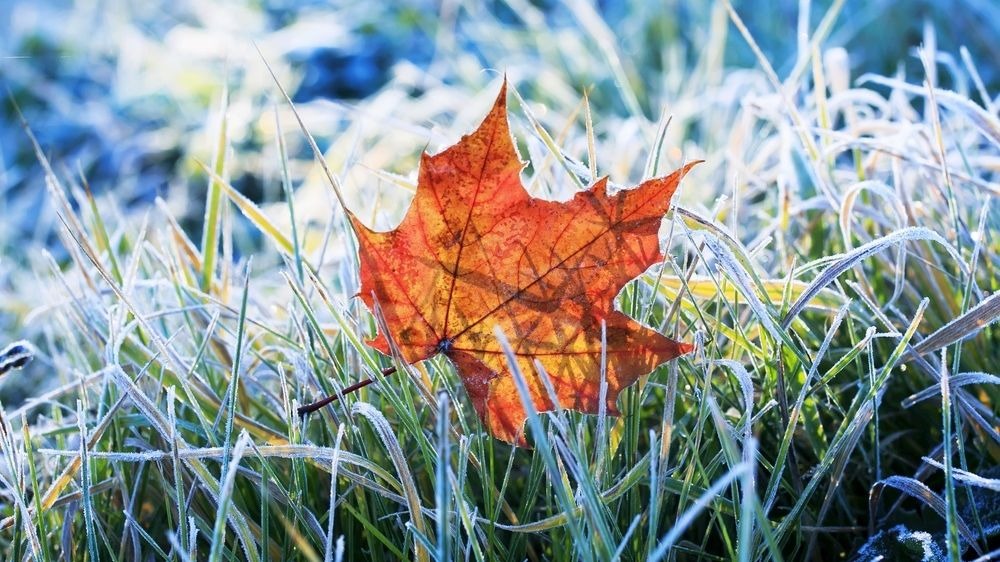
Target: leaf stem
319 404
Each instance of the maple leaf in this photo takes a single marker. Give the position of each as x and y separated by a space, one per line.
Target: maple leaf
475 251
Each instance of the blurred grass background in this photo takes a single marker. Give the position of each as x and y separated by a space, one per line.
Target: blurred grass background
119 90
101 270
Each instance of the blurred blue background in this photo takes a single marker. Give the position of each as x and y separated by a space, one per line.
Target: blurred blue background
79 69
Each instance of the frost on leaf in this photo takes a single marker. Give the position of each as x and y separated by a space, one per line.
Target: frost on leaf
475 251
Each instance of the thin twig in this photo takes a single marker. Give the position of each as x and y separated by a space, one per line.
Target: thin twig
319 404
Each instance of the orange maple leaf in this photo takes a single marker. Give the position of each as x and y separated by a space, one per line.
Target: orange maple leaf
475 251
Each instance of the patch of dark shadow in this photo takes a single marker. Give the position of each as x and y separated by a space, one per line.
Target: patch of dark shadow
359 70
251 186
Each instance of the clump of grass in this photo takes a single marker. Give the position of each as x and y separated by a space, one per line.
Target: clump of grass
835 260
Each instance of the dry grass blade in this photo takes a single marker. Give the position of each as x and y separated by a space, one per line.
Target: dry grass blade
968 477
847 261
956 381
977 318
918 490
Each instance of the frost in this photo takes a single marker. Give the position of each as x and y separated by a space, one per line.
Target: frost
900 543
